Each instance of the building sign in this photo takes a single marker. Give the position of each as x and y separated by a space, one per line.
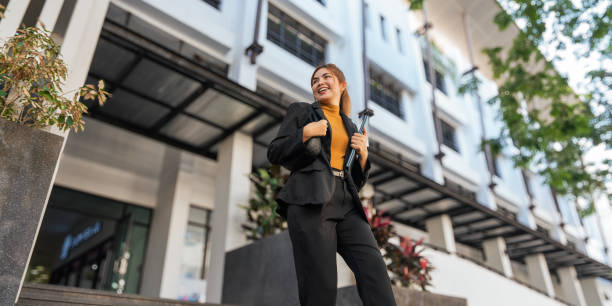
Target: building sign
71 242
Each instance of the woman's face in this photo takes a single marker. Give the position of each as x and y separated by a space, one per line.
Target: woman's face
326 88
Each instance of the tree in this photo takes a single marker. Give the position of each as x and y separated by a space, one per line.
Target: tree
553 140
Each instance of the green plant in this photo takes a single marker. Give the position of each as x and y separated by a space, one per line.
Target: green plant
553 140
261 211
32 74
408 267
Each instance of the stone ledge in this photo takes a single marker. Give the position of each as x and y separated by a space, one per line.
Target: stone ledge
39 294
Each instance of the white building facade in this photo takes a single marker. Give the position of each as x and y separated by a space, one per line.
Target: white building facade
160 172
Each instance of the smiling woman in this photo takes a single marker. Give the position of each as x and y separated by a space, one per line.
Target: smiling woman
320 199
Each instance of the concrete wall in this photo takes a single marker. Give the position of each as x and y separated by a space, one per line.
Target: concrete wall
459 277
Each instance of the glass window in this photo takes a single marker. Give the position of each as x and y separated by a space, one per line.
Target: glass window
294 37
439 77
398 34
385 93
382 28
214 3
449 137
195 254
496 167
79 238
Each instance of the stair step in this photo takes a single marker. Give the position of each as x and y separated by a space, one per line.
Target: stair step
42 294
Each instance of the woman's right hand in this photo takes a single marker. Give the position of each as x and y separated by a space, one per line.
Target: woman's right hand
313 129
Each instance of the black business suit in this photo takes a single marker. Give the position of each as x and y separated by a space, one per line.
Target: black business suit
325 215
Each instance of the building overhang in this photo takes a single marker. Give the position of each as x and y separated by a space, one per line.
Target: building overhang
410 198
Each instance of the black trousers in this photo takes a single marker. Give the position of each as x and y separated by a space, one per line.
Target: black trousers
317 233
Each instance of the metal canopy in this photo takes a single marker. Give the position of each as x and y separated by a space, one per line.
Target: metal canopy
167 96
410 198
162 94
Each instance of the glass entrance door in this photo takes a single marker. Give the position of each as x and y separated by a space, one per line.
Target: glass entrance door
121 254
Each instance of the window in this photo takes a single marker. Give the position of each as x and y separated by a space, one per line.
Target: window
496 167
384 93
398 34
195 254
449 137
214 3
382 28
294 37
439 77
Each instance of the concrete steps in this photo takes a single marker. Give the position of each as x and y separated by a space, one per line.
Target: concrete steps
38 294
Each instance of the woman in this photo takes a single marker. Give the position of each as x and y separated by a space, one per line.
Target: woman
320 199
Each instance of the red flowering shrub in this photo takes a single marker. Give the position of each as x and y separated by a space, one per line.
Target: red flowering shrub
407 266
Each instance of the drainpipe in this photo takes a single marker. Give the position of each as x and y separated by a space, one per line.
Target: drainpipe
255 48
487 148
432 76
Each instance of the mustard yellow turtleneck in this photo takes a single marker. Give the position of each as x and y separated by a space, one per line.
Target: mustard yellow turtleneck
339 136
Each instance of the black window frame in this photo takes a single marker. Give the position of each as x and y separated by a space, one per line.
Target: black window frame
383 23
449 135
496 166
385 94
440 83
307 45
398 36
214 3
207 228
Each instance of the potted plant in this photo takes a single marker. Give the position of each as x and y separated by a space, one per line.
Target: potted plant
407 266
32 101
261 212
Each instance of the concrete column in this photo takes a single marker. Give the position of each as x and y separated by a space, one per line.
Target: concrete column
558 234
234 163
592 292
81 40
15 10
432 168
241 70
525 216
161 274
572 291
539 275
484 195
441 232
50 13
496 256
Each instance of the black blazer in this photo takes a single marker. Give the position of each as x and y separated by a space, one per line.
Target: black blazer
311 180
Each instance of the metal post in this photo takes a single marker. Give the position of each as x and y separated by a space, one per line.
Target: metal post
487 148
432 76
255 48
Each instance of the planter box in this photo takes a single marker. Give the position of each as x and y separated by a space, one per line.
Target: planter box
28 160
263 274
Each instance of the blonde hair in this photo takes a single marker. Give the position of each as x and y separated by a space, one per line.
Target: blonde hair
345 99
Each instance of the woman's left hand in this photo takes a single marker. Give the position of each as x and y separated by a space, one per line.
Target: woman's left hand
358 142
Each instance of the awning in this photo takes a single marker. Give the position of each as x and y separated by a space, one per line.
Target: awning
410 198
164 95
